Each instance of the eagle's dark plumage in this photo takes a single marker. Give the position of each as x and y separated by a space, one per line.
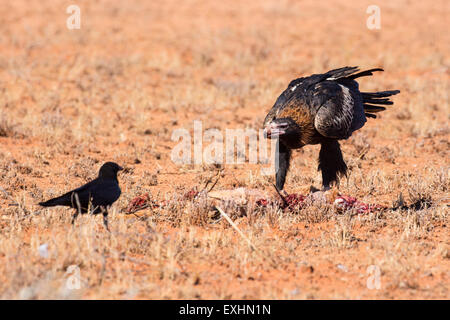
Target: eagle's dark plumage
322 108
95 196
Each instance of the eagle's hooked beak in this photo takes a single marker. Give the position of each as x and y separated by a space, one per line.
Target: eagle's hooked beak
275 129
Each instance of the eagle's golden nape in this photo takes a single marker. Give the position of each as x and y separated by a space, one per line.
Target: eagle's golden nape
322 109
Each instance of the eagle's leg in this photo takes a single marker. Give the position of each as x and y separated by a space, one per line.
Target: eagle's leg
284 157
331 163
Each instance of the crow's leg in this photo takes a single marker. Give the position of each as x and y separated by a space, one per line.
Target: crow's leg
75 215
331 163
105 218
282 164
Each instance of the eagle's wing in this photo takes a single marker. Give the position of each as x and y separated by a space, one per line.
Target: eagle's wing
339 109
333 96
298 88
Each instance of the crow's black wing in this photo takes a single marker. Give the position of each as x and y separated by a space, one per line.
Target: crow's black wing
69 198
105 193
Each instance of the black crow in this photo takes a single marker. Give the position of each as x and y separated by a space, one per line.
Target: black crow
95 196
322 108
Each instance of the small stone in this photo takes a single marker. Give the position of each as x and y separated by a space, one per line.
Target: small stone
43 250
342 267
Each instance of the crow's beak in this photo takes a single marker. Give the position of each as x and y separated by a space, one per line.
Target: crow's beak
120 168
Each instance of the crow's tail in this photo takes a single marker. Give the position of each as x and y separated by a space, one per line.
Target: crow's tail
373 100
63 200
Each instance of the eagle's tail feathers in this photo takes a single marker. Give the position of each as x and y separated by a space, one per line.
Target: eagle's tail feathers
373 100
373 109
381 94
